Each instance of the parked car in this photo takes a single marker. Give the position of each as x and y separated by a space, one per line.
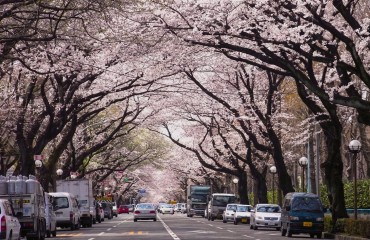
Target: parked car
99 212
242 214
228 214
131 207
302 213
265 215
50 216
167 209
68 213
123 209
107 207
10 226
144 211
114 209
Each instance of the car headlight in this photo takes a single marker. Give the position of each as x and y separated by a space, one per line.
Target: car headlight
259 217
319 219
293 218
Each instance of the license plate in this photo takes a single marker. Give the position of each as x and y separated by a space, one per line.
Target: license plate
244 220
307 224
271 223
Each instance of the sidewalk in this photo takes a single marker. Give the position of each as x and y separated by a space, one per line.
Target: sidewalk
342 237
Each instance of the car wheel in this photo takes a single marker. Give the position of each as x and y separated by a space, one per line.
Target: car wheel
283 231
251 226
278 229
235 222
288 231
154 219
255 227
224 220
319 235
54 233
47 233
135 220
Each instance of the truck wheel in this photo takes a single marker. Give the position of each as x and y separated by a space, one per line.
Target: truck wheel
48 234
54 233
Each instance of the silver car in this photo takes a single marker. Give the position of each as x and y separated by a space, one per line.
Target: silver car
145 211
266 216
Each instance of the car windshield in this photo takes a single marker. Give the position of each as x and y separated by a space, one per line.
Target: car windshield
231 207
82 202
62 202
268 209
198 198
144 206
243 209
306 204
222 201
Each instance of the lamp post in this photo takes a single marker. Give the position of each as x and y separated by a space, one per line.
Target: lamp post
355 147
38 165
73 175
59 173
235 181
273 171
303 161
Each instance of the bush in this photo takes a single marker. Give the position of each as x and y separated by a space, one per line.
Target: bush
349 226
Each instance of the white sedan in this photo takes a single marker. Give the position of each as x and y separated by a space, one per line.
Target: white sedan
242 214
167 208
10 226
266 216
145 211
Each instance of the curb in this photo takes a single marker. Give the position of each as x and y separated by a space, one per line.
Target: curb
342 237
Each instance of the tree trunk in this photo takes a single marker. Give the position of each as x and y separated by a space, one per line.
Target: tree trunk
242 188
333 168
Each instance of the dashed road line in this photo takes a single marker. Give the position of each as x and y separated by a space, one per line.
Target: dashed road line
219 227
248 236
101 233
230 231
172 234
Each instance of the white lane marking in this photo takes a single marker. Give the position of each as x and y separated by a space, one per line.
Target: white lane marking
210 225
230 231
219 227
109 229
91 238
172 234
101 233
248 236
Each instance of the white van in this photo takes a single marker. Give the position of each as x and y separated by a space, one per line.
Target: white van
51 219
68 214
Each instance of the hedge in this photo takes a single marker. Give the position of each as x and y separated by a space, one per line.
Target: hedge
349 226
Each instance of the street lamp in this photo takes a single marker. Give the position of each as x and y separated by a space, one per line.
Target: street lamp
303 161
59 172
235 181
73 175
355 147
273 171
38 165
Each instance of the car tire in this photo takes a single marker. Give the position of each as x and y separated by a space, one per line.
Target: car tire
154 219
48 234
319 235
224 221
255 228
288 231
135 220
278 228
235 222
250 226
54 233
283 231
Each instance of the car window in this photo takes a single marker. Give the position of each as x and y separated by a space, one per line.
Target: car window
62 202
306 204
242 209
231 207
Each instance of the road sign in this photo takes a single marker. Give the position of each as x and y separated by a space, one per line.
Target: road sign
38 157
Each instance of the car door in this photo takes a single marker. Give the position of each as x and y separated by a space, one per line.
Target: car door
12 221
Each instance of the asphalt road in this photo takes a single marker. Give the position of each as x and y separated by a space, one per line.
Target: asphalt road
170 227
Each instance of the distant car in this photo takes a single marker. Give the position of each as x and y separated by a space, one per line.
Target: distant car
114 209
242 214
167 209
10 226
266 216
108 212
159 207
131 207
145 211
99 212
228 214
123 209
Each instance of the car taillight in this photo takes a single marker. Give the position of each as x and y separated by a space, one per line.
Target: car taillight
152 212
137 212
3 224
